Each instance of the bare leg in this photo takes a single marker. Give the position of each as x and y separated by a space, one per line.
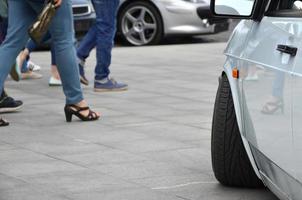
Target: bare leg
54 72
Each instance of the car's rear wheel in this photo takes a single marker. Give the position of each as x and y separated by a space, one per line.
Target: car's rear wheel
230 162
140 23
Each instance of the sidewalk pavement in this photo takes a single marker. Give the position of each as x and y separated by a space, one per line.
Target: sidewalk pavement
152 143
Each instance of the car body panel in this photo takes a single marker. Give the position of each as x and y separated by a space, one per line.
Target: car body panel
275 77
273 142
234 52
296 105
180 18
277 180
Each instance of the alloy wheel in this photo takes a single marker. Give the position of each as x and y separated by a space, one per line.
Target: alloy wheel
139 25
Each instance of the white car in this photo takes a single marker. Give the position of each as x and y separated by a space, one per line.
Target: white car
257 131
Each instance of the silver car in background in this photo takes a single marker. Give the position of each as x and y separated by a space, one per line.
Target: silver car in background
147 22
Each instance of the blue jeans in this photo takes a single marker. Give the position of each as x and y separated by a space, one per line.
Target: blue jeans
22 14
3 29
31 46
101 35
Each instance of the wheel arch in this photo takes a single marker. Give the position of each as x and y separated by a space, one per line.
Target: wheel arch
127 2
238 110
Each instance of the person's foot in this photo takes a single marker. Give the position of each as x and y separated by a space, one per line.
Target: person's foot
3 122
8 104
83 78
31 75
82 111
108 85
33 67
54 82
15 72
83 104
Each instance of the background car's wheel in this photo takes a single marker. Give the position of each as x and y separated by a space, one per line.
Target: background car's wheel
140 23
230 162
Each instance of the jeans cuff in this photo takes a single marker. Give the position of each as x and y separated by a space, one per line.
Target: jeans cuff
74 100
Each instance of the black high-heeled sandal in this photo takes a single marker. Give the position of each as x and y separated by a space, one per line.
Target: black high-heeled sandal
76 110
3 122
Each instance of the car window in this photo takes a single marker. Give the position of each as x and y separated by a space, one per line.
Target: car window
285 8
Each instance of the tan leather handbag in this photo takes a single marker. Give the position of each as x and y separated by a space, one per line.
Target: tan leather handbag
40 27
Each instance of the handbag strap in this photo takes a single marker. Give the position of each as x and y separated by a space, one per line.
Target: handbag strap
49 1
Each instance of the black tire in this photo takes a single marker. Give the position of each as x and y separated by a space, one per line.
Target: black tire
158 33
230 162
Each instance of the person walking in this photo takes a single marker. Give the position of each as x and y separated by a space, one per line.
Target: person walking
101 35
21 15
7 103
26 63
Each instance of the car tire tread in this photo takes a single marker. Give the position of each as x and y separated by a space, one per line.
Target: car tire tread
230 162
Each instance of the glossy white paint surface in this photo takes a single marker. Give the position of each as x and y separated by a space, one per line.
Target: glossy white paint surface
278 136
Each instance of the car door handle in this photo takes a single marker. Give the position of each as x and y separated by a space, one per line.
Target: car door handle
287 49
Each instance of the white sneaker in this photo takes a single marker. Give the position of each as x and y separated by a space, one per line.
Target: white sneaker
54 82
32 66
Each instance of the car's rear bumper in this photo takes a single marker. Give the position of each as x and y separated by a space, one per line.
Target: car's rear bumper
197 30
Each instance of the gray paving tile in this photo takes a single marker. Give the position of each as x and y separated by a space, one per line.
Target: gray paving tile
126 194
195 159
36 165
144 169
150 144
31 193
166 183
109 156
212 190
78 181
61 147
10 183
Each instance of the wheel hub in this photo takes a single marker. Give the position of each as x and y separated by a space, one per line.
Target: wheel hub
138 26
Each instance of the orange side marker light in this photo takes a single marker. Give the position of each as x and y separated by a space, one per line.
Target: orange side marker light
235 73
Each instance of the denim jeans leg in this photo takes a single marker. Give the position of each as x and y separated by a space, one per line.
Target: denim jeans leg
105 30
16 37
87 44
3 29
53 56
31 46
62 33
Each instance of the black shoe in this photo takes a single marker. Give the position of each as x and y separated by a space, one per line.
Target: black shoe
8 104
3 122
